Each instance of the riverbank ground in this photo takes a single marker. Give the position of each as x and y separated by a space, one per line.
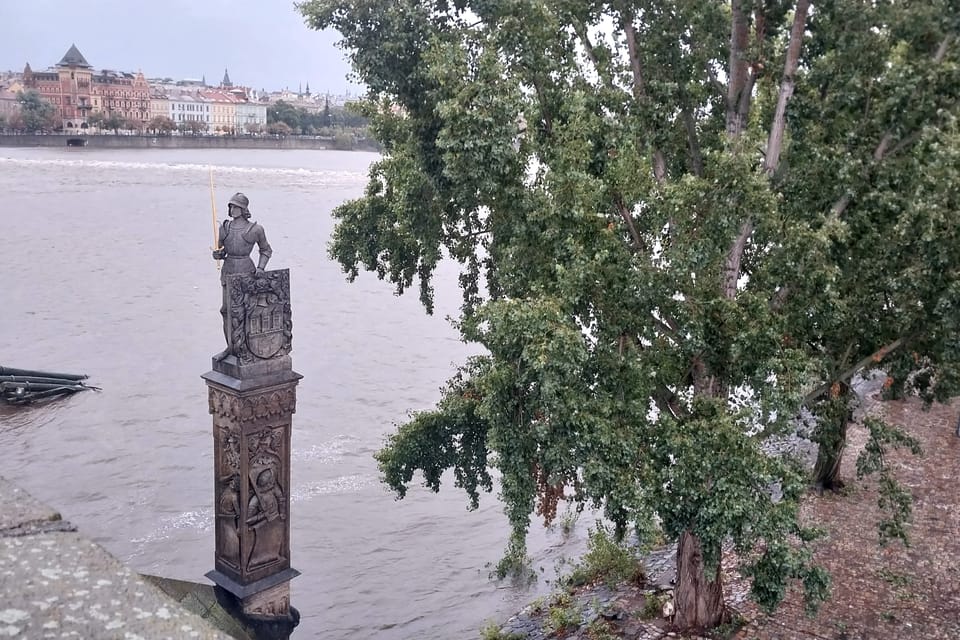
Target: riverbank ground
890 592
55 583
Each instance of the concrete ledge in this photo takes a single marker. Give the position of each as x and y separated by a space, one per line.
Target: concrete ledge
108 141
56 583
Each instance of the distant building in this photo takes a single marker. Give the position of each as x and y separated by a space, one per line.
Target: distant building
251 116
159 103
9 106
186 106
76 91
123 94
223 109
68 86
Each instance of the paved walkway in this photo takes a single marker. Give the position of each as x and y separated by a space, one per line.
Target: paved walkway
55 583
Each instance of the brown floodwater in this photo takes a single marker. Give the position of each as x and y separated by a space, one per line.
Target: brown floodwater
105 269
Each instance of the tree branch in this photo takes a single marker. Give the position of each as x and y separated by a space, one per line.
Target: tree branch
874 357
590 50
731 265
693 140
631 227
739 38
779 298
880 153
775 142
639 88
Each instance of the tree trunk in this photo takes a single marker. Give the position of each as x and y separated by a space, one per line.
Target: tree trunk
833 420
698 602
831 443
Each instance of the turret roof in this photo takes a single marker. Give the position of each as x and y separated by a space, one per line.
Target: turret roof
73 58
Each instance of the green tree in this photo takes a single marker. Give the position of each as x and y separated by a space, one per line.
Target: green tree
886 300
113 122
162 125
281 129
326 119
132 124
286 113
661 270
96 119
37 114
193 127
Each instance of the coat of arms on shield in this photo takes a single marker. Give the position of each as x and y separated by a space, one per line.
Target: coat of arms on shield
260 316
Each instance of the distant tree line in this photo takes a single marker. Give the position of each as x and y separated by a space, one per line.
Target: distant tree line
325 121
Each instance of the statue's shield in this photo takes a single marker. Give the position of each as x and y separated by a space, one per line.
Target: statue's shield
265 330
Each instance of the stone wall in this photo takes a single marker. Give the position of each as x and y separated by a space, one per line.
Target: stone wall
108 141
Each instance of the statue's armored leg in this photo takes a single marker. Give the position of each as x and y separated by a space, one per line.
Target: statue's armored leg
226 333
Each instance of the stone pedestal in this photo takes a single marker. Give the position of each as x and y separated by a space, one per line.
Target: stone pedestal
252 397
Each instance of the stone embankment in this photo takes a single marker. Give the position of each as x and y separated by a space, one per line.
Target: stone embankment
107 141
55 583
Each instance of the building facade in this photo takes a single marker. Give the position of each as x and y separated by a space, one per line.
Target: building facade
159 103
68 86
187 107
123 94
223 110
251 117
76 91
9 107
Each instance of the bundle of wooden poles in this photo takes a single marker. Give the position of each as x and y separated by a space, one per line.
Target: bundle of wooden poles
23 386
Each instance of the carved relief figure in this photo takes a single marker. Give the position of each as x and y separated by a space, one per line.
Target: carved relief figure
266 518
238 235
230 451
228 520
264 447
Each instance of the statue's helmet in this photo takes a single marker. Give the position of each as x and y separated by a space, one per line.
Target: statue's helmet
241 201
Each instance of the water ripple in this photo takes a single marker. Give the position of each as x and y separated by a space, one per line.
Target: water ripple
343 484
323 175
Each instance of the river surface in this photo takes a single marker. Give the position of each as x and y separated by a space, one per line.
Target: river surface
106 270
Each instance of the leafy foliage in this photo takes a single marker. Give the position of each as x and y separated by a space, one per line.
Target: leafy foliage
162 125
606 559
641 242
893 500
36 114
301 120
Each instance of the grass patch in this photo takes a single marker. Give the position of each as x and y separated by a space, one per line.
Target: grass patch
606 560
563 615
600 629
728 629
897 580
491 631
652 606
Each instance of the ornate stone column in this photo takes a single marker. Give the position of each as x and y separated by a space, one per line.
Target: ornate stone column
252 397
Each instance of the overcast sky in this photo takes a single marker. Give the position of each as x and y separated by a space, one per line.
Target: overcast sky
264 43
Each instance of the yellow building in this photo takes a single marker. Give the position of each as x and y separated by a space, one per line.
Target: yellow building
159 104
223 110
